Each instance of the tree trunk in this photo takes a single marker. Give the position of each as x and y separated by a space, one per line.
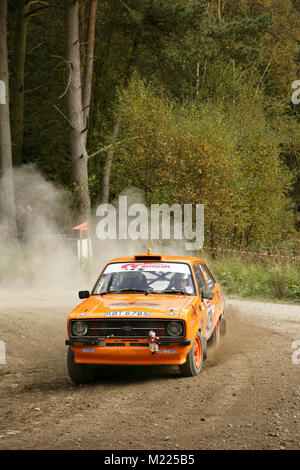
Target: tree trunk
17 98
212 239
76 116
110 153
82 19
219 9
88 73
109 157
7 185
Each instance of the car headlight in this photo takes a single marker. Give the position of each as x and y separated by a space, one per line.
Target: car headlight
174 328
79 328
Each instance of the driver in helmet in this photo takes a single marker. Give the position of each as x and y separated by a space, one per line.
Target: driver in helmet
180 282
133 280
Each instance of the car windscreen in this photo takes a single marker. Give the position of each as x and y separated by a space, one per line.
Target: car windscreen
152 277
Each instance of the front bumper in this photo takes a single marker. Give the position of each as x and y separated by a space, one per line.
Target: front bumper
101 342
128 351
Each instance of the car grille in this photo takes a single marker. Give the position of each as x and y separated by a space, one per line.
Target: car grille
122 328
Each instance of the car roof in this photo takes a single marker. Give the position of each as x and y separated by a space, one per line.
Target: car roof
158 258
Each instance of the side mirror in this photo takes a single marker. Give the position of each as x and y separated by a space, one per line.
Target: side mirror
83 294
207 295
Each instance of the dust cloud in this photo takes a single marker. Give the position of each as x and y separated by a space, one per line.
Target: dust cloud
240 338
46 258
43 258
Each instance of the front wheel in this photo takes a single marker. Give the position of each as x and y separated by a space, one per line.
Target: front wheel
79 373
194 359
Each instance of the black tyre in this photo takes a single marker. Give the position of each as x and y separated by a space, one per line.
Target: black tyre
204 347
79 373
223 327
215 337
194 360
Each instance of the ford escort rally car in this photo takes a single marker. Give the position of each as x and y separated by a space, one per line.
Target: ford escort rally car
146 310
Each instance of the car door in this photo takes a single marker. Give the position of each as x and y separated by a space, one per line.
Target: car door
200 305
214 306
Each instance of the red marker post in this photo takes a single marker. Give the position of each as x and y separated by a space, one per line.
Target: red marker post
81 228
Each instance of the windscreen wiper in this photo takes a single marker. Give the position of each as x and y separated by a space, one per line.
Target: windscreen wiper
175 292
130 290
123 290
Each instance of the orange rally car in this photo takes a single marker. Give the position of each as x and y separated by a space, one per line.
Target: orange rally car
146 310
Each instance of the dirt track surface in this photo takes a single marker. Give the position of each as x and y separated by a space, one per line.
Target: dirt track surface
246 397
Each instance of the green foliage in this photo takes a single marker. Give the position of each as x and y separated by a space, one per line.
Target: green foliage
265 280
226 156
46 134
206 118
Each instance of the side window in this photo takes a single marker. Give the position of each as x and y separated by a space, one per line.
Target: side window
208 277
199 277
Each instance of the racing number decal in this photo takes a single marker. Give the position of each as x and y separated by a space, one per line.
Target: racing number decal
210 311
209 315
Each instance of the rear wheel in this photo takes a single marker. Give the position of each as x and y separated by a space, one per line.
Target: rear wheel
194 359
204 343
223 327
79 373
215 337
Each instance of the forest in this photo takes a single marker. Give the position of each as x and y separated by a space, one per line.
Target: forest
185 101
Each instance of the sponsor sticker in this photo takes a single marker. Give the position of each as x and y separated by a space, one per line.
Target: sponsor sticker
88 350
168 351
127 313
158 267
137 266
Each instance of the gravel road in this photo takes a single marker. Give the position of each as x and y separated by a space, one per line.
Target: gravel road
246 397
